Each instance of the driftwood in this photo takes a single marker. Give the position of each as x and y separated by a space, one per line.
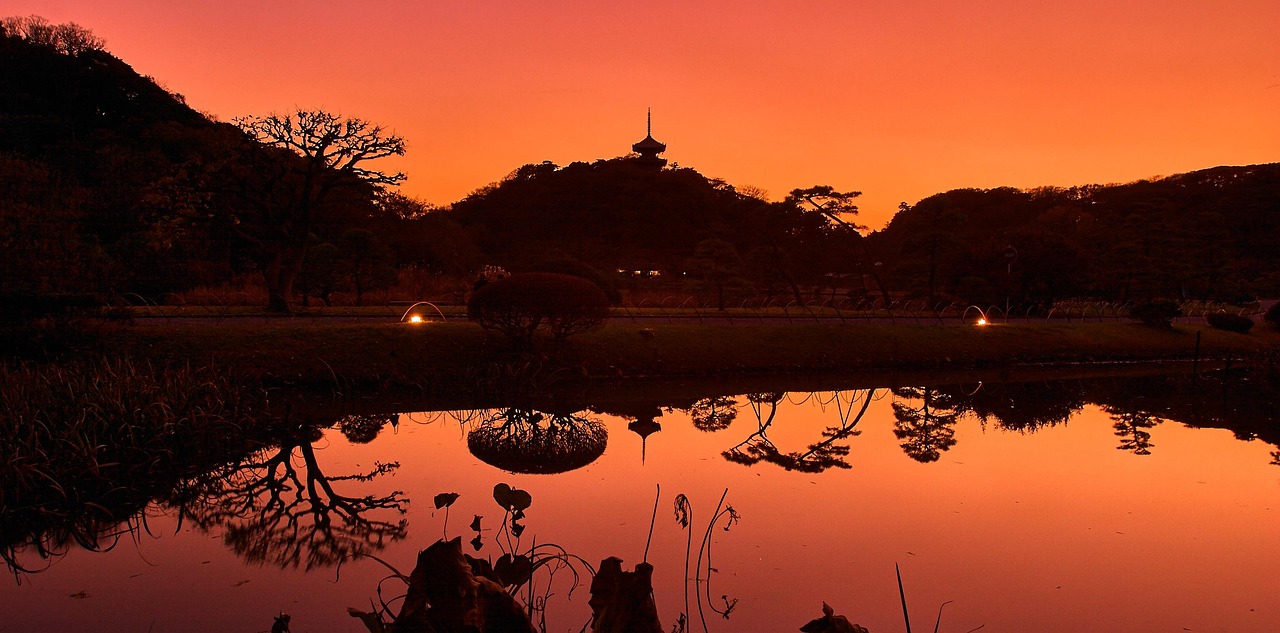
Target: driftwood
622 601
446 596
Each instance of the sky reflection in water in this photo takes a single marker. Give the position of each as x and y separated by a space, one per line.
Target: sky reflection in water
1050 515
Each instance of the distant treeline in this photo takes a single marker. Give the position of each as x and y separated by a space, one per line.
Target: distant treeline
111 185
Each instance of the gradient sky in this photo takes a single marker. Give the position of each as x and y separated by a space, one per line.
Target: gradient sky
898 99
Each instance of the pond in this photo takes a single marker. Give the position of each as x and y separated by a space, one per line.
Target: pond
1148 503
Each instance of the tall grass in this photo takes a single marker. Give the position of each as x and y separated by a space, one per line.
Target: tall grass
90 443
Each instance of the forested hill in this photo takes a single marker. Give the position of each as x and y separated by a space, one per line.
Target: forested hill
1207 233
610 213
96 184
110 185
51 99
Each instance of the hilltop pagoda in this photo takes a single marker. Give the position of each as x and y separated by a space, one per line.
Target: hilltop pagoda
649 148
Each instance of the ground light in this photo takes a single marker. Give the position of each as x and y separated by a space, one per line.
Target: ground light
982 316
410 316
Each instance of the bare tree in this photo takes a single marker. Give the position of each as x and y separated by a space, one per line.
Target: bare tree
285 203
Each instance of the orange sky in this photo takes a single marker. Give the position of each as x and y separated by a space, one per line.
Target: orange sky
898 99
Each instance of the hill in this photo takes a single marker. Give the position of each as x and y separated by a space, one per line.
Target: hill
1204 234
96 170
111 185
622 214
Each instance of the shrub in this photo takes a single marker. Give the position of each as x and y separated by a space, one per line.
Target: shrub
1273 316
570 266
1159 313
519 304
1230 322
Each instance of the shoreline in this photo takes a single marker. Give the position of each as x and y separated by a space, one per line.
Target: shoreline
455 358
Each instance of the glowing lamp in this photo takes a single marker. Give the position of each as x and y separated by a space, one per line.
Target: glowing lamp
417 318
982 321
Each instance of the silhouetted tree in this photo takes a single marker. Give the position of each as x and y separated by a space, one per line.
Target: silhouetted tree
716 263
927 233
321 274
289 201
836 205
367 261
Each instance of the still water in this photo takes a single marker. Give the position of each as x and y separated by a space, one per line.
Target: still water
1099 505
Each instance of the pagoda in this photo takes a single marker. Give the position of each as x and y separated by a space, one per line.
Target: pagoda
649 148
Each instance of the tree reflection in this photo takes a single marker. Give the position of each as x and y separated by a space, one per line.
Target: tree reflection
362 429
714 413
1131 427
1023 407
929 429
279 507
817 457
522 440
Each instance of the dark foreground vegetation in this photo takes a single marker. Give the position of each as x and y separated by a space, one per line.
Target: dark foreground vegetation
91 443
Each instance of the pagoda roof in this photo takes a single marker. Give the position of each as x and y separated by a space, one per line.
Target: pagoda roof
649 143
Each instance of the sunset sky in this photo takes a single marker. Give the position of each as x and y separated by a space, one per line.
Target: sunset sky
897 99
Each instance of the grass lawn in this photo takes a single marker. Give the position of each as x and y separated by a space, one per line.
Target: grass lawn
459 353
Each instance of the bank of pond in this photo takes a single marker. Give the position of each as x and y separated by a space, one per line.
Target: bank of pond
1010 496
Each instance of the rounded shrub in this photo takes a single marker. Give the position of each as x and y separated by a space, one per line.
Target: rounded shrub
1158 313
570 266
518 305
1230 322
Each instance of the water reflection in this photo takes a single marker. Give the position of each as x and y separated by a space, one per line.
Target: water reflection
289 503
1023 407
1131 427
712 414
272 505
362 429
280 507
831 451
928 429
524 440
